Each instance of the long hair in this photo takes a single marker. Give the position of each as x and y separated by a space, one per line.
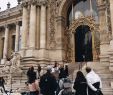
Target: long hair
31 75
80 77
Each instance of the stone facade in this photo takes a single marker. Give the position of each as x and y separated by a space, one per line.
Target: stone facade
43 25
37 30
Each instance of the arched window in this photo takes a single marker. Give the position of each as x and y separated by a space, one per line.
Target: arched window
80 8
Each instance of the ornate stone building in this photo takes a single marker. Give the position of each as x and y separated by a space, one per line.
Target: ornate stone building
66 31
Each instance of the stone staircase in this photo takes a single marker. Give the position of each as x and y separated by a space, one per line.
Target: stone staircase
102 69
104 73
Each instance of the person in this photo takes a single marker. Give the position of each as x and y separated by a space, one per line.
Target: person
39 70
48 84
55 70
2 82
62 72
66 87
33 85
80 84
94 82
66 70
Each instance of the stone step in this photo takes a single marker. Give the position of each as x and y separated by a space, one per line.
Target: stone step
107 91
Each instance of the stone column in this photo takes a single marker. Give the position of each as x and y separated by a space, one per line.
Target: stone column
43 27
111 42
24 28
43 52
32 31
38 28
5 51
60 21
17 37
104 40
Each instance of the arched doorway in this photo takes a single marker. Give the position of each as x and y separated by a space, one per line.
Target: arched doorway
83 44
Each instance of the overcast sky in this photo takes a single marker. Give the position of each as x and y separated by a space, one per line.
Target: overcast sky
3 4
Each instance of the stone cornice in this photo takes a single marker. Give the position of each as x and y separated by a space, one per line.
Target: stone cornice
10 21
11 12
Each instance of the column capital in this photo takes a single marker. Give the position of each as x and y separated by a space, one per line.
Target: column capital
6 26
25 3
17 23
44 2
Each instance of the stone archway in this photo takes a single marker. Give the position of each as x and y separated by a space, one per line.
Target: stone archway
61 20
88 21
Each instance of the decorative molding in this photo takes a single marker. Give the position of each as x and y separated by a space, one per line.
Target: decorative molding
52 42
68 46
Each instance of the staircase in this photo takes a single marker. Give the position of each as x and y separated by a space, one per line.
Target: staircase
101 69
105 74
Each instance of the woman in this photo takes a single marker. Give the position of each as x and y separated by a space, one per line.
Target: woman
32 83
80 84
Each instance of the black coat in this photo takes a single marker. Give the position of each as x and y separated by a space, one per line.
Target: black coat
62 73
80 87
31 76
48 84
97 86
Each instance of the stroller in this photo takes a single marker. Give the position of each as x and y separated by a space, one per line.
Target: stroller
67 87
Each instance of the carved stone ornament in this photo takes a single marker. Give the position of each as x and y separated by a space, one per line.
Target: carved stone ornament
12 66
68 46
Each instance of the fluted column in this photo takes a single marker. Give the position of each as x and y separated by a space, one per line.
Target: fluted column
32 31
43 27
5 51
17 36
38 28
24 28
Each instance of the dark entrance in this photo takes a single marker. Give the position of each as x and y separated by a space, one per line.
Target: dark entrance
83 44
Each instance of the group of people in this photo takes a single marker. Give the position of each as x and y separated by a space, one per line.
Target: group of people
56 82
48 83
89 85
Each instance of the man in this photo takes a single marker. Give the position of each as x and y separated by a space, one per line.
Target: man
94 82
48 84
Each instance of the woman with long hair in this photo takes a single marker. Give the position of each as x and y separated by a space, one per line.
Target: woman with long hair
33 84
80 84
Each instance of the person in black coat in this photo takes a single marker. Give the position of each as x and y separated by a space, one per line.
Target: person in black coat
48 83
32 83
62 73
39 70
2 82
66 71
31 74
80 84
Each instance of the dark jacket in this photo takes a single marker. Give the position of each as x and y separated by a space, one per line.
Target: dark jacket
80 85
62 73
48 84
2 81
31 76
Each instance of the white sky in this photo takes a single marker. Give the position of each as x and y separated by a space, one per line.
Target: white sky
3 4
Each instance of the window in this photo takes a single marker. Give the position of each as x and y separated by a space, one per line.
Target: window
13 42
